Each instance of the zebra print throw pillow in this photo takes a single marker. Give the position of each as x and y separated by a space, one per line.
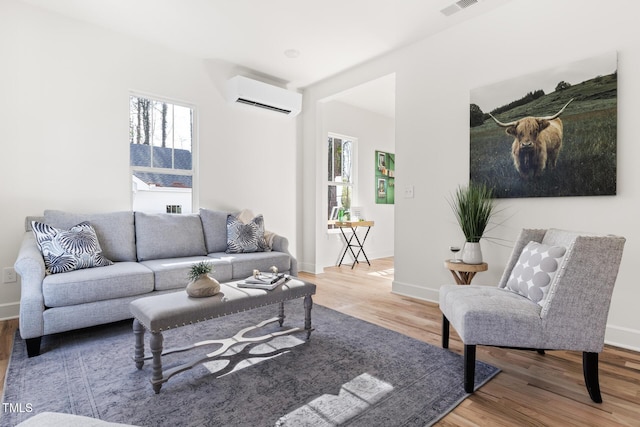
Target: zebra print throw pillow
243 238
68 250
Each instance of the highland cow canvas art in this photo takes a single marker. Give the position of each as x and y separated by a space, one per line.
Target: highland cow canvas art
551 133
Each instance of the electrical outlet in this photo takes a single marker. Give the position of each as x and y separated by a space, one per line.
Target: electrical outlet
9 275
408 192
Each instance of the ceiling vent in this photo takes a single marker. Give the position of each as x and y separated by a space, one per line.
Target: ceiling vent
262 95
457 6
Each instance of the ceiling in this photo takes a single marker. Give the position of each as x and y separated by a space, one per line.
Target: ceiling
328 36
378 96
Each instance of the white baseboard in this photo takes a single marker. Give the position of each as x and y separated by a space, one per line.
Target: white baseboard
308 268
9 310
414 291
619 336
378 254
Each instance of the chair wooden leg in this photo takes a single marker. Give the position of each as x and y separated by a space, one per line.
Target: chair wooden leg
590 370
469 367
445 332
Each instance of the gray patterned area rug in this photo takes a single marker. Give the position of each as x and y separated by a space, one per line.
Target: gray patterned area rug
351 372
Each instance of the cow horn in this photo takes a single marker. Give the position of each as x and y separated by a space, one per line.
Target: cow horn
504 125
556 115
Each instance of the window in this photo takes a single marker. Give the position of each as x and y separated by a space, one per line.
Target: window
340 185
161 155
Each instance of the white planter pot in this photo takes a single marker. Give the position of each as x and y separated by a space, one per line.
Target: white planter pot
471 253
203 286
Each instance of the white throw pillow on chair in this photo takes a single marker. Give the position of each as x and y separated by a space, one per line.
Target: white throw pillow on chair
534 273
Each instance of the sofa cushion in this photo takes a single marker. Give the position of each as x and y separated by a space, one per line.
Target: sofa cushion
69 250
534 273
171 273
121 279
115 230
244 264
214 224
168 236
246 237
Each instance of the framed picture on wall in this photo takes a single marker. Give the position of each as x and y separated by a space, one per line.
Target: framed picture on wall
382 161
548 134
334 214
385 177
382 188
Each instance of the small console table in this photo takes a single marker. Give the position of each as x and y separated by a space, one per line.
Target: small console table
464 273
353 225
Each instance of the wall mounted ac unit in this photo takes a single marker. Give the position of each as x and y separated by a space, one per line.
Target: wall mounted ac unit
252 92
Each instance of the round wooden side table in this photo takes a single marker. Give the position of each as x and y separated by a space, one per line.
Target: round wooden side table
463 273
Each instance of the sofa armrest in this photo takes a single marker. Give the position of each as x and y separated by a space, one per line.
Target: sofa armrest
281 244
30 266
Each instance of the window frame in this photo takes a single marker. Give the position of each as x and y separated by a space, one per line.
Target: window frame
193 172
354 173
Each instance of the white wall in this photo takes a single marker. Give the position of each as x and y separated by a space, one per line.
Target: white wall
250 159
64 89
64 114
374 132
433 82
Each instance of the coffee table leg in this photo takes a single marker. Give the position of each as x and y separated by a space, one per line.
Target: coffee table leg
281 315
138 333
156 351
308 304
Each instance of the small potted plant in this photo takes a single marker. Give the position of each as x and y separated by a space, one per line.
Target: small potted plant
473 207
200 283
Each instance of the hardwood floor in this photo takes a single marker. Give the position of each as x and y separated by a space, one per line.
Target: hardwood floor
7 330
531 390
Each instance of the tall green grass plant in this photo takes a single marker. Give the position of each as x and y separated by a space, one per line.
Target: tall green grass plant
473 207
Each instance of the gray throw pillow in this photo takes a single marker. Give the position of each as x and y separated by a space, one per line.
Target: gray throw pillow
214 224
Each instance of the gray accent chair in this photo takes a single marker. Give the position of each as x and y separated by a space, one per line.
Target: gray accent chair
573 316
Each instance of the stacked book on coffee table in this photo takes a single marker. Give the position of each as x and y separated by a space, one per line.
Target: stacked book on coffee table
264 281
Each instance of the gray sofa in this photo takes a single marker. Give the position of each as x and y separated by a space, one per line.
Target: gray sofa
151 254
